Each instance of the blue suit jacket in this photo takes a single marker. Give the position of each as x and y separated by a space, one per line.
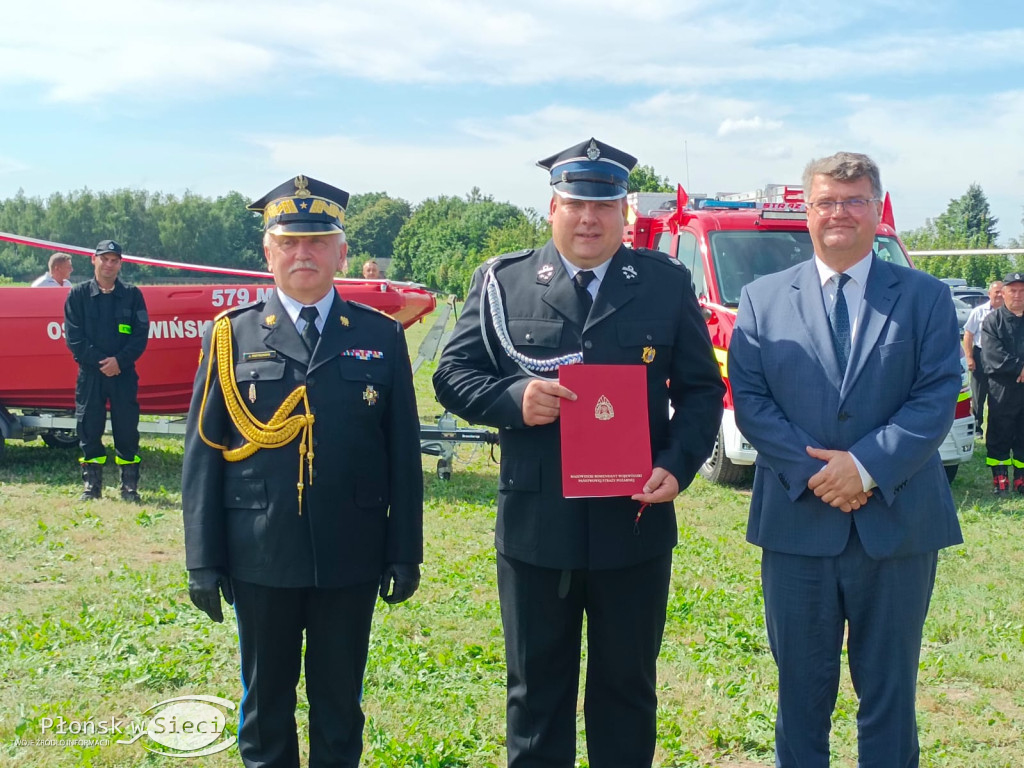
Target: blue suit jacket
891 410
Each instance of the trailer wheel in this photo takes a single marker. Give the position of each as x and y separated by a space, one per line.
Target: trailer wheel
60 438
719 468
444 469
951 471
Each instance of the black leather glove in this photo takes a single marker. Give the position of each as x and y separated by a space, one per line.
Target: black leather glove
204 588
401 580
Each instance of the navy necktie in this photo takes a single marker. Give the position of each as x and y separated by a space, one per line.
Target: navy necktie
839 320
310 334
582 280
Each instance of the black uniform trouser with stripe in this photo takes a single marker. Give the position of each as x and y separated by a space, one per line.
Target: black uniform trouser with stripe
1005 435
271 624
542 613
93 391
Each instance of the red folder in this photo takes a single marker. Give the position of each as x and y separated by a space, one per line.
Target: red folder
606 440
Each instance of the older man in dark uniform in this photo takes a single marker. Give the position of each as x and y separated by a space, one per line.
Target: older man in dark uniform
106 326
583 297
302 486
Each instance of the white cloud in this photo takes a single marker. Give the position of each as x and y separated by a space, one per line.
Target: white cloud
747 125
174 50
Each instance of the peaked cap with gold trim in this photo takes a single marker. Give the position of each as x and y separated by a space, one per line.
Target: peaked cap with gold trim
302 206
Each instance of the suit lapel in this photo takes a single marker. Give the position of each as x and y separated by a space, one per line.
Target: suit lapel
616 288
805 298
559 290
281 334
880 294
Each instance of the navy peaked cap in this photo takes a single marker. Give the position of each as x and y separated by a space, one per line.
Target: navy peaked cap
302 206
591 170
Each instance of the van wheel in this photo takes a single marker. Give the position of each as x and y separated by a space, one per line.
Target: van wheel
61 438
951 471
719 469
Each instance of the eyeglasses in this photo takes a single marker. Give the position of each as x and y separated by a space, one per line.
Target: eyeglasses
855 206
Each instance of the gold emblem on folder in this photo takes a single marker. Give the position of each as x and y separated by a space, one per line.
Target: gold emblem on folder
604 411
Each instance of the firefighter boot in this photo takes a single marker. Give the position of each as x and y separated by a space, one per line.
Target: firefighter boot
130 483
1000 481
92 479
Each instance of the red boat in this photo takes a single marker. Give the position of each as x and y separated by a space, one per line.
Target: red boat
36 368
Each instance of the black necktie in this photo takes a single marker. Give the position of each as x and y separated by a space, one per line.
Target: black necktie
310 334
839 320
582 280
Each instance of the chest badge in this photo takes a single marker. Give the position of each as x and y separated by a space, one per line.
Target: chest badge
545 273
252 392
648 355
370 395
629 272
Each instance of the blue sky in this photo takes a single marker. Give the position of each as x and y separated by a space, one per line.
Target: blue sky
430 97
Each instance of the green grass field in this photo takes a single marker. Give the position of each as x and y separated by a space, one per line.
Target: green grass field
95 623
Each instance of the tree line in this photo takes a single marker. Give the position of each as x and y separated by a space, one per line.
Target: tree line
438 242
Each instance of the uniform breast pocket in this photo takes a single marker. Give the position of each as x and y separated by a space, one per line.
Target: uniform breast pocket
365 389
262 385
535 333
643 341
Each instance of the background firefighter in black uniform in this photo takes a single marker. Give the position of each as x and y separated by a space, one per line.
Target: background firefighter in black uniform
583 297
107 327
1002 353
302 486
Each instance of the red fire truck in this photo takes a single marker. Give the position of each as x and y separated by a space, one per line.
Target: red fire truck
730 239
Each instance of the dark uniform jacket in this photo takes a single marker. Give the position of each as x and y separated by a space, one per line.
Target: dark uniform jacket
645 300
364 506
125 339
1002 351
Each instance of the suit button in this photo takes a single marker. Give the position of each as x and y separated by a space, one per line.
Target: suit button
588 344
649 337
529 338
253 375
511 481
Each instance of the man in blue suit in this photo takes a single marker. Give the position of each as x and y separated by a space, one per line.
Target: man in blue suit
845 374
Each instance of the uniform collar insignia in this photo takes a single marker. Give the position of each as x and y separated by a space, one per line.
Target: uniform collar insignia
545 273
270 321
345 321
629 271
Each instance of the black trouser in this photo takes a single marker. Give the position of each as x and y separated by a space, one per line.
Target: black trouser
271 622
625 610
1005 423
979 389
93 391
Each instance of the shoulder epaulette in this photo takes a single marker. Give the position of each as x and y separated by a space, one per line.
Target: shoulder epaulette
368 308
659 256
235 310
510 256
